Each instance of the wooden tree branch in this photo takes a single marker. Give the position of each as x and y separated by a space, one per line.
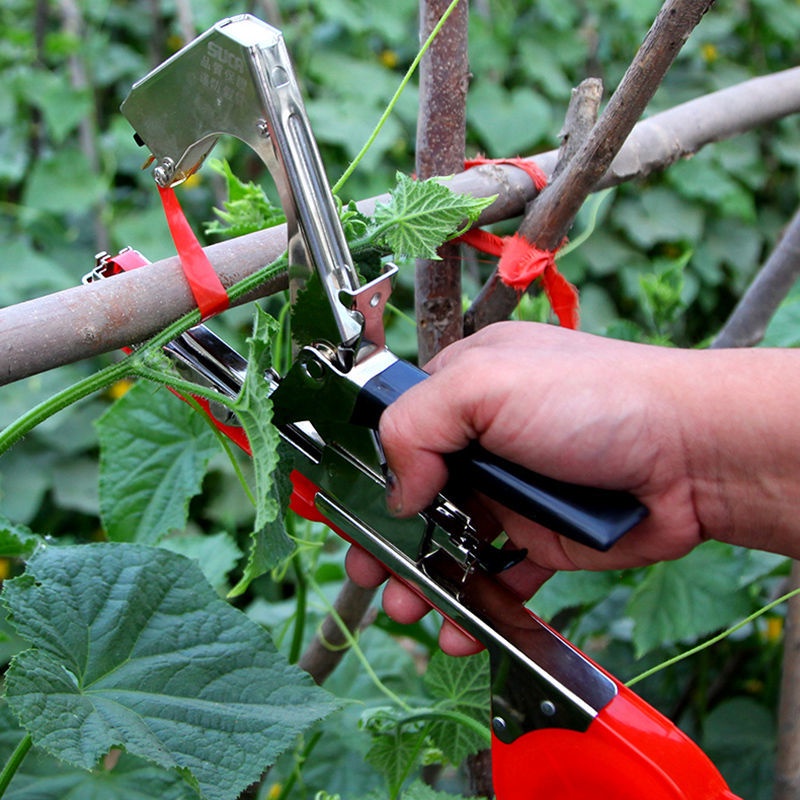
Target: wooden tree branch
787 766
581 116
748 322
549 219
579 121
84 321
329 646
441 132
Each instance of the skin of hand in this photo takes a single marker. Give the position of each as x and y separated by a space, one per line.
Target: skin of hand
708 440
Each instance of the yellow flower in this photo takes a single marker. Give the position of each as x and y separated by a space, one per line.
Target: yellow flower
388 58
174 43
195 179
709 52
118 389
774 629
274 791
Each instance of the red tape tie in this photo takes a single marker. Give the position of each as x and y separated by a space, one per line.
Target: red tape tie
521 262
205 285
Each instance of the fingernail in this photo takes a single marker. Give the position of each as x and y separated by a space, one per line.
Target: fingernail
394 497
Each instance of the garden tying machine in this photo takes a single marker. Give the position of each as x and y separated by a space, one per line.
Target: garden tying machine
561 726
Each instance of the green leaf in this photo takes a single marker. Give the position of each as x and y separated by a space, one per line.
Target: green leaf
693 596
62 106
121 777
35 274
700 178
133 648
270 544
509 122
14 157
462 685
75 485
422 215
395 752
572 590
17 541
154 451
216 554
739 735
657 215
421 791
754 565
247 208
312 318
63 183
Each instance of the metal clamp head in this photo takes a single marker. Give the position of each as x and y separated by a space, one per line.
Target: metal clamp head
237 79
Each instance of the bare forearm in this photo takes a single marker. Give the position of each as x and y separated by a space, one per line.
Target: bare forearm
741 435
708 440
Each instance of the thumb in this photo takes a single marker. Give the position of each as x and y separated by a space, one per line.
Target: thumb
428 420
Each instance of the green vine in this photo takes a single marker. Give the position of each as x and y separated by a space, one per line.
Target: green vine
395 98
14 760
713 640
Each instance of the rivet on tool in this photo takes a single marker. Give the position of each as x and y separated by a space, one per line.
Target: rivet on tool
548 708
314 370
164 172
498 725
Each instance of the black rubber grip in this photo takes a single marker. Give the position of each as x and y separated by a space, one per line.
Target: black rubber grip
594 517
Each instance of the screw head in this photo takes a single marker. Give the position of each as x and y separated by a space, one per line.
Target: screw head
548 708
499 725
164 172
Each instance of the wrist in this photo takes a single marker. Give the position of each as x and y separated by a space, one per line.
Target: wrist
741 439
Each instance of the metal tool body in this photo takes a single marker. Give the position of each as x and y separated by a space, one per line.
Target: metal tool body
237 79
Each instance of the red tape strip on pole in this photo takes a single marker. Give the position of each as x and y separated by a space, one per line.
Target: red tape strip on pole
521 262
205 285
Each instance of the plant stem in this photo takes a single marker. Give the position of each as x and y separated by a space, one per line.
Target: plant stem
713 640
183 387
440 150
593 206
301 759
133 364
455 716
14 761
300 615
353 644
393 102
83 388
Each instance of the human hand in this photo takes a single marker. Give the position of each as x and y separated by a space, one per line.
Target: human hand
572 406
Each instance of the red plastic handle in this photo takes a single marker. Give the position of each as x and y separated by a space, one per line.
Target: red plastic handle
629 752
